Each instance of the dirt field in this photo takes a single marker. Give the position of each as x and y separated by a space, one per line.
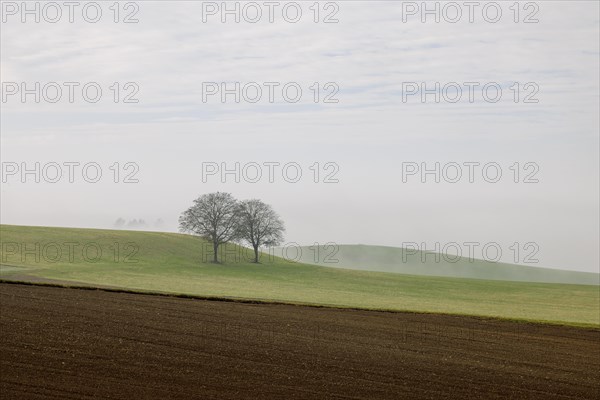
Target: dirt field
79 344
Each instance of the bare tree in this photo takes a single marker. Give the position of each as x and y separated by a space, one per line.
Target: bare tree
259 225
119 223
213 216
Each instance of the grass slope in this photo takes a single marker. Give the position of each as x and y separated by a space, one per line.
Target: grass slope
171 262
413 262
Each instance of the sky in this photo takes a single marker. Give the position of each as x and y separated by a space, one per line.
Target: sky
361 145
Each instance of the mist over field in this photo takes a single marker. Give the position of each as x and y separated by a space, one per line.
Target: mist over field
416 262
299 199
164 142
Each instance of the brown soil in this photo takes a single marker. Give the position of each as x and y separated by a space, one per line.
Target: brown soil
79 344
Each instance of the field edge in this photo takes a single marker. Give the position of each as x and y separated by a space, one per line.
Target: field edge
244 300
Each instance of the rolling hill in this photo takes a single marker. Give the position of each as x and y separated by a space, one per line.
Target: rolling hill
415 262
176 263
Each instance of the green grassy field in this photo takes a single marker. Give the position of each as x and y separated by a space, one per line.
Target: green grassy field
177 263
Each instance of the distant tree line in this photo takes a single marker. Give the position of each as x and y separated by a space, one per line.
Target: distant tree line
220 218
135 223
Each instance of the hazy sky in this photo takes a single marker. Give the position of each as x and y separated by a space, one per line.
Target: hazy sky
370 54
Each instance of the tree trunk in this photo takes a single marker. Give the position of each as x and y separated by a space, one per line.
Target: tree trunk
256 254
215 249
